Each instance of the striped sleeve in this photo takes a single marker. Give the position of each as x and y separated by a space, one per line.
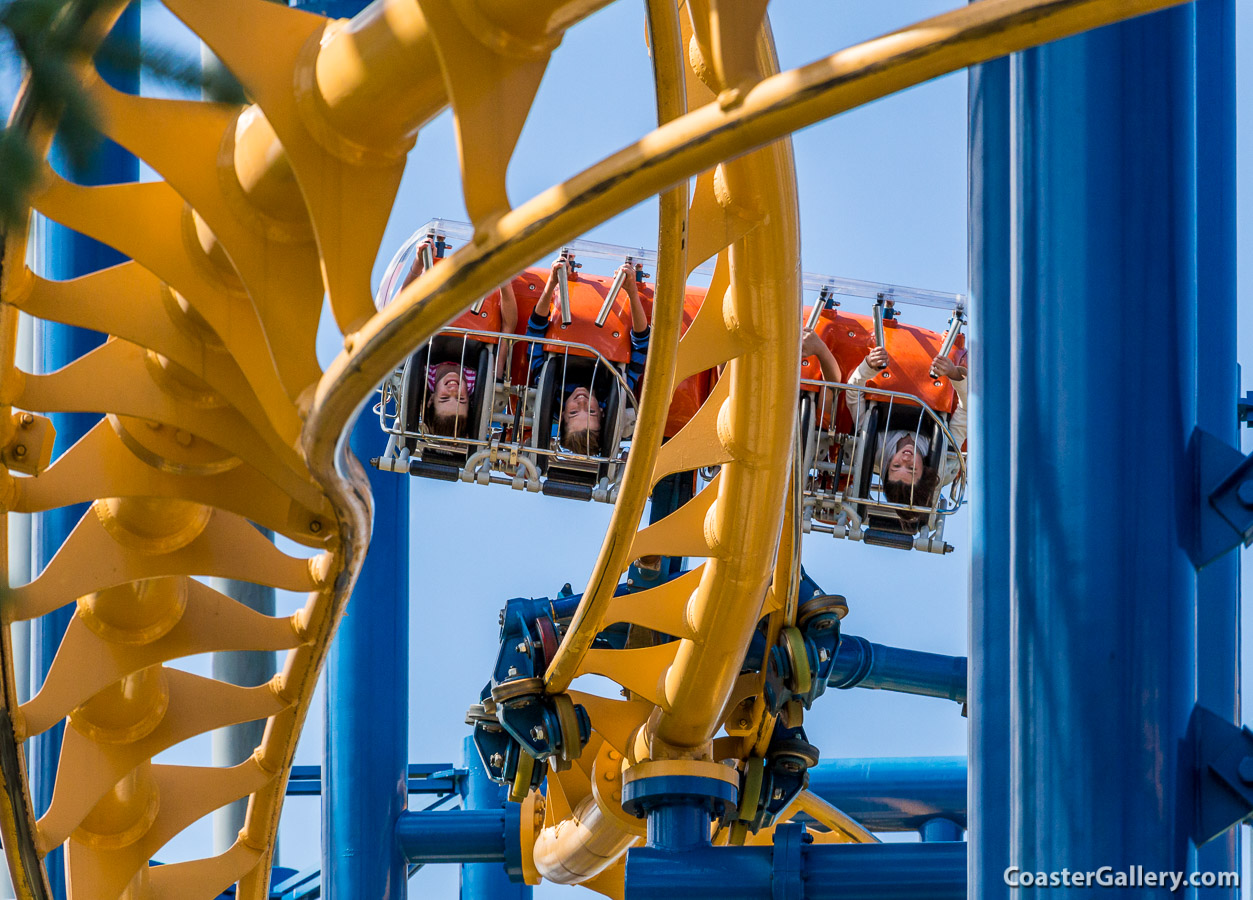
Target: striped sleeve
536 331
639 353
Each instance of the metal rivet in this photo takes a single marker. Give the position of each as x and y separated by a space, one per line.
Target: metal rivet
615 334
496 760
19 451
27 419
537 733
852 334
1246 769
483 314
315 526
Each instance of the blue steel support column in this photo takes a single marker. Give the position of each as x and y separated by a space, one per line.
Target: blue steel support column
486 881
61 254
1103 379
365 773
1218 584
989 444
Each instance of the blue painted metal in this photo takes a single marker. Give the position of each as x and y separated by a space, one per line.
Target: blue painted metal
827 872
457 836
990 446
367 699
424 778
860 663
60 254
939 829
894 794
291 885
491 881
679 808
1102 605
1218 585
335 9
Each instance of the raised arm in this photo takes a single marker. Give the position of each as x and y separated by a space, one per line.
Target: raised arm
876 361
418 266
537 324
957 423
812 345
508 325
544 305
639 318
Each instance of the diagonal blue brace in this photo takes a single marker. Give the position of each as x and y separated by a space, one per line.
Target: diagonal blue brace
1224 771
1224 498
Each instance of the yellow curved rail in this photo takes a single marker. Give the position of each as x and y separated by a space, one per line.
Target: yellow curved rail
215 414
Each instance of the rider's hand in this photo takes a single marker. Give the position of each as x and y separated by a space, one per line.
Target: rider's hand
811 344
878 358
628 269
942 365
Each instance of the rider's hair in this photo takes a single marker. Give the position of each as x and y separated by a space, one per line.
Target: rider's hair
584 440
920 493
446 424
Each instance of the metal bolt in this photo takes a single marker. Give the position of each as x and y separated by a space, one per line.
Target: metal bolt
617 796
315 526
513 670
496 760
19 451
791 767
615 334
522 647
614 755
609 776
778 794
852 334
183 438
743 723
1246 770
537 733
27 420
483 314
823 655
1244 493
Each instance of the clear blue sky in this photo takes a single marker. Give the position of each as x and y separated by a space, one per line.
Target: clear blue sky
883 198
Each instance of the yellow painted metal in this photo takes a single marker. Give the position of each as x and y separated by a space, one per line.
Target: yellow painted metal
659 368
217 415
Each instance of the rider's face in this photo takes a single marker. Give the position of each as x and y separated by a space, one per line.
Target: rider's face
906 463
451 397
581 411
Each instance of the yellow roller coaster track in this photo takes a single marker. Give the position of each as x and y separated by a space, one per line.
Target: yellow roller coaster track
216 413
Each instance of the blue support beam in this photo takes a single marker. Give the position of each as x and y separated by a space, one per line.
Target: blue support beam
894 794
1100 495
62 254
860 663
1217 374
458 835
367 700
793 869
491 880
991 448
